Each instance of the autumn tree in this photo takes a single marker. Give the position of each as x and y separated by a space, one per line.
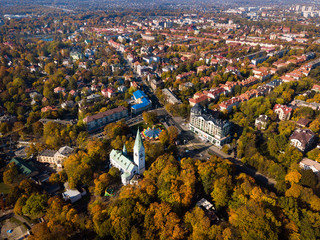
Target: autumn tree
10 174
150 117
112 130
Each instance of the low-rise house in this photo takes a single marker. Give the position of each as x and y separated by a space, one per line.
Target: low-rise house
8 119
302 139
100 120
202 68
316 88
301 103
215 93
184 75
261 73
186 85
122 89
67 104
156 84
198 98
228 104
261 122
93 98
49 108
283 112
73 195
59 90
307 164
249 81
274 83
205 79
208 208
303 122
108 92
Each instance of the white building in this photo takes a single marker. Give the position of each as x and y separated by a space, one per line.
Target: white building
127 167
261 122
55 157
307 163
216 131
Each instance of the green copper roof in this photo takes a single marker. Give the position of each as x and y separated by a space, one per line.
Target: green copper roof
124 150
125 163
138 143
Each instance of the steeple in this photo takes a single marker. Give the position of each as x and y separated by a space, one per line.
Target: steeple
139 153
138 143
124 150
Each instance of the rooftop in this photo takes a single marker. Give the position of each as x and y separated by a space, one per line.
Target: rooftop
104 114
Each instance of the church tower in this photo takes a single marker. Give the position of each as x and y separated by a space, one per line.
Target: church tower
139 154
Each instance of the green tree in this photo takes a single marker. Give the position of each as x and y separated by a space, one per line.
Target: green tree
35 205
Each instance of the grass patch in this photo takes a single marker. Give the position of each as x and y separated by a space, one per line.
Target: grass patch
14 220
4 188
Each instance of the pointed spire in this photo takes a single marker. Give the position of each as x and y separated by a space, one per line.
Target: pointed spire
124 150
138 143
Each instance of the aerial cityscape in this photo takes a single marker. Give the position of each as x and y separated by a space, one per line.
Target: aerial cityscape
159 119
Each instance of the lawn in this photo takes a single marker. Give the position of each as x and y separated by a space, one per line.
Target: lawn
4 188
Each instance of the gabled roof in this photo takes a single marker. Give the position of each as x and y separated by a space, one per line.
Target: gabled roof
310 163
302 135
104 114
23 166
125 163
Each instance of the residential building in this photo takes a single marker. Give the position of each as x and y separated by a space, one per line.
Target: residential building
228 104
59 90
124 163
156 84
307 164
108 92
73 195
170 96
303 122
283 112
100 120
198 98
261 122
302 139
209 128
215 93
184 75
300 103
49 108
8 119
316 88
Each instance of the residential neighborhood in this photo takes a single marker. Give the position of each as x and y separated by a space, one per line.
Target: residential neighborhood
159 120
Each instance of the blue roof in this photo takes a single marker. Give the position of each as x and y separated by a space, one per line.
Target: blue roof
139 94
145 103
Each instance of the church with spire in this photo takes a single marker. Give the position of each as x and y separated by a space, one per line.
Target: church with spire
129 167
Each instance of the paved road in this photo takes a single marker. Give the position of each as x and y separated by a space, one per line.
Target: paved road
9 214
202 149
